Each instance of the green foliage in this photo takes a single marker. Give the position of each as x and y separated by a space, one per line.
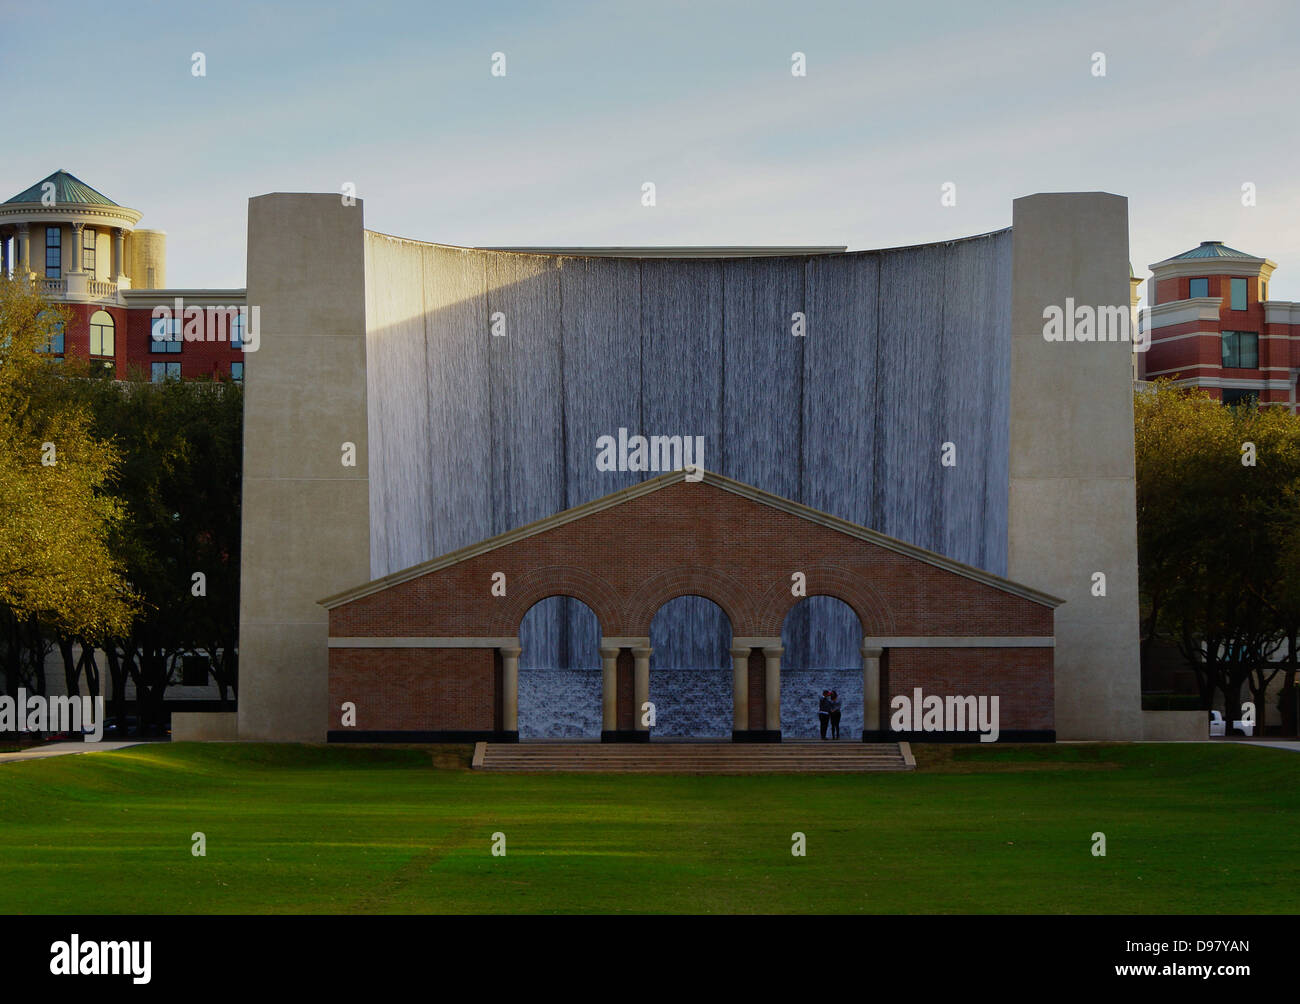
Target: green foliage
57 514
1218 535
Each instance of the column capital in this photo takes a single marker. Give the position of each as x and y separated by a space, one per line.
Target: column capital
741 651
510 651
77 225
609 653
642 652
871 651
24 228
773 651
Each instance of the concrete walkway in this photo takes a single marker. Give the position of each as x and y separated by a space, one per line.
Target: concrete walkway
64 749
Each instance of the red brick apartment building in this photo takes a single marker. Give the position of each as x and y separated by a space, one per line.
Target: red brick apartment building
84 252
1212 325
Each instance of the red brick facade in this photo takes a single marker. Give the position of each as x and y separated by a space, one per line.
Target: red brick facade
626 560
1191 350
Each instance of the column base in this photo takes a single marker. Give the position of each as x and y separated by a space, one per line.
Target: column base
625 736
756 736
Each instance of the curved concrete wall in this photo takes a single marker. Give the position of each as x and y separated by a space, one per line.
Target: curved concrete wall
145 250
473 434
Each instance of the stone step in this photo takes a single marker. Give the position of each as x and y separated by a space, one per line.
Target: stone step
693 758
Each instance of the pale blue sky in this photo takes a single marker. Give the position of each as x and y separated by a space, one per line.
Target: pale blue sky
697 97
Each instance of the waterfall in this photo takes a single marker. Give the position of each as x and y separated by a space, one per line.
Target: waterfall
473 434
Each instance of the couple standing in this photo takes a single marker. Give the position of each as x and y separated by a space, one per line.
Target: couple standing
828 713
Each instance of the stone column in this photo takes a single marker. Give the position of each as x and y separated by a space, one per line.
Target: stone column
772 685
24 261
870 689
4 256
609 690
76 249
119 254
739 690
510 688
641 686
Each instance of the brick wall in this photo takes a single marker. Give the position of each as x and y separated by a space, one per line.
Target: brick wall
627 561
412 689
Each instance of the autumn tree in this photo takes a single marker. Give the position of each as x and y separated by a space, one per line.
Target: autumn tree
57 516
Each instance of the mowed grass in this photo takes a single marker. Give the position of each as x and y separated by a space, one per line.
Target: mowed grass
307 829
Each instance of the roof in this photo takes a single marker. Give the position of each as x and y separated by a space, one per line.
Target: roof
719 481
1212 249
67 190
761 251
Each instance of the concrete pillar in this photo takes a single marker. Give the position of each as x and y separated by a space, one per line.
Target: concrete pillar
870 690
772 686
296 493
119 254
609 690
739 689
510 687
23 253
76 249
641 685
1072 502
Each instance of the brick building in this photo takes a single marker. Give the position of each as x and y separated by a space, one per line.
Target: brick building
432 652
84 252
1213 326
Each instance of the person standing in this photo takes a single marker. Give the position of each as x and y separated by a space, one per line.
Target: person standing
824 711
835 715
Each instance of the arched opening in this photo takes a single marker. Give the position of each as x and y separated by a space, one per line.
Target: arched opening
559 670
690 669
102 340
822 638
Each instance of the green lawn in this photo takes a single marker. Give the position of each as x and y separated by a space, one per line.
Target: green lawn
1189 828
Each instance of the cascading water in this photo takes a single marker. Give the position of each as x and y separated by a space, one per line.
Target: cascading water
472 434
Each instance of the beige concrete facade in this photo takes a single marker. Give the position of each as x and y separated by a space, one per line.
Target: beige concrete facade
204 726
306 518
305 514
1072 493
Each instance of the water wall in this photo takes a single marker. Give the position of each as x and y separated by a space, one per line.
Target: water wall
472 434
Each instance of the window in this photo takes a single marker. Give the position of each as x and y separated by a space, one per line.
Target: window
1198 287
158 372
1238 294
101 333
1235 396
165 335
53 253
54 345
88 251
237 372
194 670
1241 350
237 330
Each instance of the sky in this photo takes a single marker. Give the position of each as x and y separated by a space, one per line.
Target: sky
697 97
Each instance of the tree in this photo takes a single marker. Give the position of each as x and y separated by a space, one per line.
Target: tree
57 517
1217 533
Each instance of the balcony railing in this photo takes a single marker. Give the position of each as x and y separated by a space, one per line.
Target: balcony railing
95 289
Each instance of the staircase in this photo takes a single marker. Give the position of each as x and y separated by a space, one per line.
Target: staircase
695 758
